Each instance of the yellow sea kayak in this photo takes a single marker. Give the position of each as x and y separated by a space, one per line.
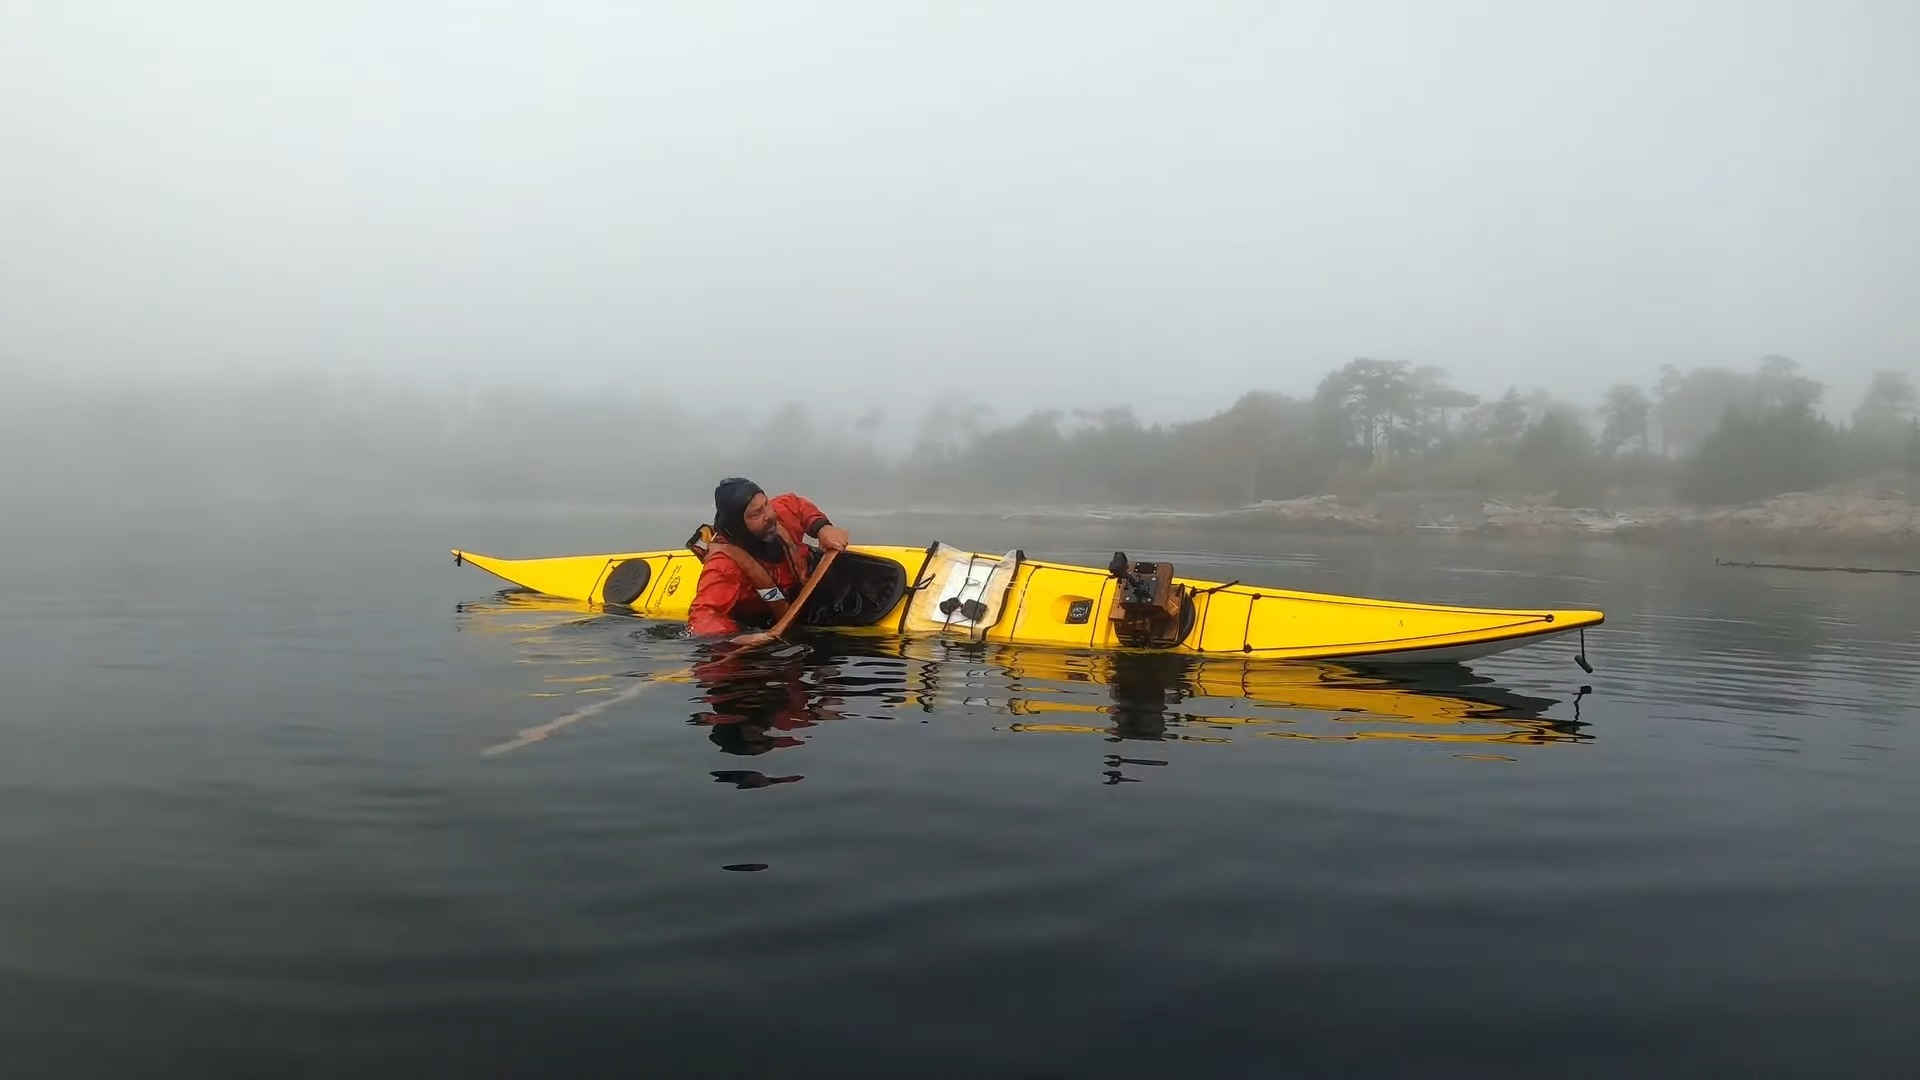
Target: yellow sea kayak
1010 599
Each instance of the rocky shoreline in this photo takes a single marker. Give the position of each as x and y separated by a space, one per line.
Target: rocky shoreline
1882 513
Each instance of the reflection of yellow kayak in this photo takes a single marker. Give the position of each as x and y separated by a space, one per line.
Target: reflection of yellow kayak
1010 599
1122 694
1237 696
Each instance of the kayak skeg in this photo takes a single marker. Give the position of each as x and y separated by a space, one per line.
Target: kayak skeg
1009 599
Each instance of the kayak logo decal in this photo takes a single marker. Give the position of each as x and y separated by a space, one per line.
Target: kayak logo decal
673 581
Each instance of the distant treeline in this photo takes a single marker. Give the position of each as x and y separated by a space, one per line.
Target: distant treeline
1707 435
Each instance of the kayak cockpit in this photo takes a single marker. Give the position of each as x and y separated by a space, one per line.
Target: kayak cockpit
857 590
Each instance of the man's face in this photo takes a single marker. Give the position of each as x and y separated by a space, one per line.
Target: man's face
760 519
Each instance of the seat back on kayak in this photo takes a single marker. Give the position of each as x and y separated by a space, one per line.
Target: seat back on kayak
960 592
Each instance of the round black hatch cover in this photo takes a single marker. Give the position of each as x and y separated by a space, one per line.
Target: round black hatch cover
627 582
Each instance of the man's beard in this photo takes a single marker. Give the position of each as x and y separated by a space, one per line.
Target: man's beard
766 544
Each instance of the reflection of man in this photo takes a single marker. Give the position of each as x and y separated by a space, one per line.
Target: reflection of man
750 696
757 559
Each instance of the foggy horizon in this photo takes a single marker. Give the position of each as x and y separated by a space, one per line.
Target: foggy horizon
1076 207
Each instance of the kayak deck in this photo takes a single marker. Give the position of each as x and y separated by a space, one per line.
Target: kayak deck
1009 599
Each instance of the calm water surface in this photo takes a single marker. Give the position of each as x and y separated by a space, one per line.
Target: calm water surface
250 823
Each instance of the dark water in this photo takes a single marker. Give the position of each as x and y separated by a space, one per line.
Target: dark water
248 825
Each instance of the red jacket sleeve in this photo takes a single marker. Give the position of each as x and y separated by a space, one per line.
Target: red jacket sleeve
711 613
797 512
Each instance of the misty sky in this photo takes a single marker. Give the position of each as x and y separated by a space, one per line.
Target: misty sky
889 201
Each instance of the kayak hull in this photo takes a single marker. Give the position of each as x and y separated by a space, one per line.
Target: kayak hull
890 589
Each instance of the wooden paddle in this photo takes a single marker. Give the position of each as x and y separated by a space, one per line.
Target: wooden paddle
806 590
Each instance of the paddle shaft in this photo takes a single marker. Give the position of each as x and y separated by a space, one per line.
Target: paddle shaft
806 590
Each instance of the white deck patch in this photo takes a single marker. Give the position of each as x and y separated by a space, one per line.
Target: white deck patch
952 582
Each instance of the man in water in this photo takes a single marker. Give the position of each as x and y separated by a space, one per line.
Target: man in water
756 560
